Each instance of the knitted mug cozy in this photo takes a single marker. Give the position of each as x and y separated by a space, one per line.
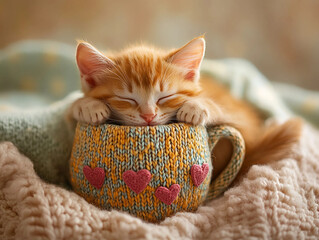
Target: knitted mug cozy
150 172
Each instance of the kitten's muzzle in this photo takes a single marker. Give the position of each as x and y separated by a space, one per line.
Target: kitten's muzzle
148 117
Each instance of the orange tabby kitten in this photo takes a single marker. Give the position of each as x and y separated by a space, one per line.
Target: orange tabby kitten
146 86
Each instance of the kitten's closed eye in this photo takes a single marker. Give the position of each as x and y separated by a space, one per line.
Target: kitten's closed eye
165 98
130 100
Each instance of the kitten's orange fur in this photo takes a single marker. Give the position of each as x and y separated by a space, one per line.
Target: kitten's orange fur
146 86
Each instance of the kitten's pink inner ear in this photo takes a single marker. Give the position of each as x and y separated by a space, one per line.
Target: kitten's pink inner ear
90 60
91 64
190 57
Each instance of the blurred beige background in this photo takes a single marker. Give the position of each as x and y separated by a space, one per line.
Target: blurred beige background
281 37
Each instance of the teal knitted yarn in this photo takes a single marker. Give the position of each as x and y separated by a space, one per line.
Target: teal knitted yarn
36 78
150 172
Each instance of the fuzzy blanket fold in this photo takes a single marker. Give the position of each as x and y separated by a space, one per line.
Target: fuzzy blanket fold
277 201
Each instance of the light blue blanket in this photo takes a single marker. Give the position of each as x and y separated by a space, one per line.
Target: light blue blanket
277 100
38 80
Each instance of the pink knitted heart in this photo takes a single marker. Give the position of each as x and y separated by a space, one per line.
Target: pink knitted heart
137 182
199 173
166 195
95 176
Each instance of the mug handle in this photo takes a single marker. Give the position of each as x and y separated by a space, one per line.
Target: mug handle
226 177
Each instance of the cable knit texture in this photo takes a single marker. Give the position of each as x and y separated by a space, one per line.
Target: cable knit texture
278 201
42 135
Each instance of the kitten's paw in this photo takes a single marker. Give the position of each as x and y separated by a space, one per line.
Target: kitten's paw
90 110
193 112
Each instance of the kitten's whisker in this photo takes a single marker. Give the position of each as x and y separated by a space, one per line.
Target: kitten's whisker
119 74
110 71
165 76
122 73
123 78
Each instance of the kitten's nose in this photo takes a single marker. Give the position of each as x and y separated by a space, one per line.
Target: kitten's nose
148 117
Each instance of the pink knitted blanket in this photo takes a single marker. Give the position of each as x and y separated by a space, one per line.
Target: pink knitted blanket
277 201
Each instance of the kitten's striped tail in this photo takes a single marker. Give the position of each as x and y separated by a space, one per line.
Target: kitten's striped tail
277 143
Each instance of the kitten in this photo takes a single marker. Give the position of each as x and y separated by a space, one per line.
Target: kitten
143 86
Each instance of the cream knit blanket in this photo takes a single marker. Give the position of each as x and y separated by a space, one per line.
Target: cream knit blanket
278 201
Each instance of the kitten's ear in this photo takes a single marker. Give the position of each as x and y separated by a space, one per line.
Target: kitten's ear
189 58
91 64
